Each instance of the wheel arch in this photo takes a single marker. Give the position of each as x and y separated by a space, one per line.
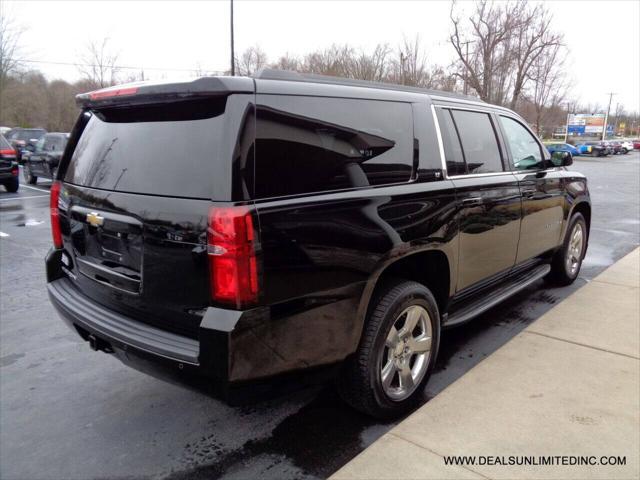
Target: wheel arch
584 208
432 268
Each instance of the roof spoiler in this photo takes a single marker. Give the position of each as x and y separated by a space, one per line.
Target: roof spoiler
141 93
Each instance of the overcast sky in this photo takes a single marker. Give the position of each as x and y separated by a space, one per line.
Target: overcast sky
603 37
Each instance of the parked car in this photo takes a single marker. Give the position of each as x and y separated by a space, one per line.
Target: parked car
340 224
562 147
24 138
44 160
596 149
627 146
614 147
636 144
584 149
8 166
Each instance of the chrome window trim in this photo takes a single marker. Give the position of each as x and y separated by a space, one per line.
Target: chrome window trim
443 160
444 163
473 175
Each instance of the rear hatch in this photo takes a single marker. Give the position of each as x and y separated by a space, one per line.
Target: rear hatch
138 182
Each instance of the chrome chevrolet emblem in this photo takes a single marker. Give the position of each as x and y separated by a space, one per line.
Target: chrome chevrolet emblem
94 219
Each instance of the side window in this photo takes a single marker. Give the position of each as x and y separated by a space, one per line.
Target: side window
479 142
452 149
525 150
314 144
40 145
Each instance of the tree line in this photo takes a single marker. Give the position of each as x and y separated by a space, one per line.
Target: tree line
507 54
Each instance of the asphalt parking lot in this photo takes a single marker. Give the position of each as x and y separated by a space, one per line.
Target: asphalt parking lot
67 412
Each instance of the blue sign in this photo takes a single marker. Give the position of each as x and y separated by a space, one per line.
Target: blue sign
575 129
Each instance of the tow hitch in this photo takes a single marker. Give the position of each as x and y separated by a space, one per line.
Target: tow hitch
98 344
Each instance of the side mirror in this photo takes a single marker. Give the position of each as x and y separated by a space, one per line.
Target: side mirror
562 159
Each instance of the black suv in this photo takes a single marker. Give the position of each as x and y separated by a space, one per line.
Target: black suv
44 160
240 228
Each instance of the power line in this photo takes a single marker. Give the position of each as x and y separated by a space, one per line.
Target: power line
121 67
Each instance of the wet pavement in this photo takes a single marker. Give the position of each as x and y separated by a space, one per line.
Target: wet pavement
67 412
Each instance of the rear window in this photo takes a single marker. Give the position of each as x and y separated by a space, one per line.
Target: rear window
4 145
27 135
164 150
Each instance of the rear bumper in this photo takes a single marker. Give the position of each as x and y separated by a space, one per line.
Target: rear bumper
232 348
120 331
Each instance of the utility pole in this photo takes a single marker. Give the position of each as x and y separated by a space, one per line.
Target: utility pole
233 56
566 125
606 117
466 59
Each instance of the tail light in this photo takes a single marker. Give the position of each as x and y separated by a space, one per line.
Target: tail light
233 271
8 151
55 214
14 171
112 92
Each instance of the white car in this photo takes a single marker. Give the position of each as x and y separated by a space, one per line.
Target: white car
627 146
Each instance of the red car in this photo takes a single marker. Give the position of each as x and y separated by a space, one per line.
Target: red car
636 144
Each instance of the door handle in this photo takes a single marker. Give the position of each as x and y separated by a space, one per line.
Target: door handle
529 193
472 202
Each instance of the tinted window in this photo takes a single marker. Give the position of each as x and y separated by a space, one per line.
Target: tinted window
479 143
452 149
525 150
4 145
309 144
55 143
125 150
27 135
39 147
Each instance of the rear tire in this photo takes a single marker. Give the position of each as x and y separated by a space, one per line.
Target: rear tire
12 185
386 376
566 263
28 176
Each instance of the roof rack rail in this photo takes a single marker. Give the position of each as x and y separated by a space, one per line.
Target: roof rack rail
292 76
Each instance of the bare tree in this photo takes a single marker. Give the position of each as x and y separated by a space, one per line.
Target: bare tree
410 65
549 87
369 66
533 38
10 34
490 29
507 40
99 64
251 60
334 60
287 62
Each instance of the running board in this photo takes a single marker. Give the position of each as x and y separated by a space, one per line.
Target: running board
468 311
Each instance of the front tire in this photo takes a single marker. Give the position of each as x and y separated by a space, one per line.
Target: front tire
386 376
29 177
566 263
12 185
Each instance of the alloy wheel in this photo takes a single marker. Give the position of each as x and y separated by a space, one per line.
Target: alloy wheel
407 352
574 249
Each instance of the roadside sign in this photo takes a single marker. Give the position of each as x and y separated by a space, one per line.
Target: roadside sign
585 123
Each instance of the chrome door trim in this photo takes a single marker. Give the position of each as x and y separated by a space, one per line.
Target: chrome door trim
443 161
